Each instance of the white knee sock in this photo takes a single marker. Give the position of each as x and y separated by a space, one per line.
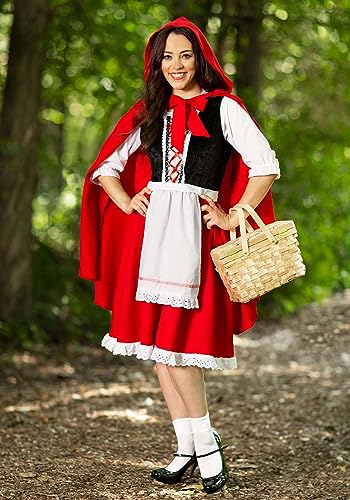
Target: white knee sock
204 442
183 431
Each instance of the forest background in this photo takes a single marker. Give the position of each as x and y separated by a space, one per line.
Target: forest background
69 69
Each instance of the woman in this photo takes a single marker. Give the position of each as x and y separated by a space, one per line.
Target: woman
155 203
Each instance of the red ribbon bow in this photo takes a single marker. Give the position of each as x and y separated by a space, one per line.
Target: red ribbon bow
186 116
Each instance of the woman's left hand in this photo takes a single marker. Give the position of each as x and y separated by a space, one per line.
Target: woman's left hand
214 214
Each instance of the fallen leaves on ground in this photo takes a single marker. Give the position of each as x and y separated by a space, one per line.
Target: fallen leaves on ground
80 424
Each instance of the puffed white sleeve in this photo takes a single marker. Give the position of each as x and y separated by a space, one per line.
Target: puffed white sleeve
243 134
114 164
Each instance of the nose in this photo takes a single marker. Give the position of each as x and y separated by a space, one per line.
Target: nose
177 63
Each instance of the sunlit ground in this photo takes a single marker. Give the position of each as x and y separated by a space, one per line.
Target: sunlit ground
83 424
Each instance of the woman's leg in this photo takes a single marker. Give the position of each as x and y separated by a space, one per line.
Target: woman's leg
175 404
179 416
189 384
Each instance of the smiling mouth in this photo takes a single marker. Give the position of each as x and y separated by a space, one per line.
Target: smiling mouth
178 76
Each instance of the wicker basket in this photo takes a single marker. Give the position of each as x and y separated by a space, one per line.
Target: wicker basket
259 260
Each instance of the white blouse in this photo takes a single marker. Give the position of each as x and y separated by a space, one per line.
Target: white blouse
238 129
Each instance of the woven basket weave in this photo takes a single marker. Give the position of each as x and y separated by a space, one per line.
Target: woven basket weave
259 260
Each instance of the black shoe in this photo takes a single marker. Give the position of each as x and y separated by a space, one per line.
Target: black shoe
165 476
215 483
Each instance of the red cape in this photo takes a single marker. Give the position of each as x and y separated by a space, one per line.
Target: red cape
104 244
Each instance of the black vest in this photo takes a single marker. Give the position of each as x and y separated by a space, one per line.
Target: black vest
206 157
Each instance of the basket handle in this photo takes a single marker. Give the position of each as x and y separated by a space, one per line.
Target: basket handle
233 234
246 227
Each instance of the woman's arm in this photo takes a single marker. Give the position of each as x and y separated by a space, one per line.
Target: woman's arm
107 176
114 164
243 134
240 130
255 191
120 197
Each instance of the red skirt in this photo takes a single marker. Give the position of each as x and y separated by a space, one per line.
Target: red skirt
174 336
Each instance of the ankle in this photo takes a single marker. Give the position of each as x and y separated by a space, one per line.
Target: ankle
206 446
183 431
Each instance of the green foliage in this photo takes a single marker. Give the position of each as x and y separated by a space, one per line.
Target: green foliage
61 305
304 111
93 74
6 17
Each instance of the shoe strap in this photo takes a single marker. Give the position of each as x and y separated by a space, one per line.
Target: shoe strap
182 455
211 452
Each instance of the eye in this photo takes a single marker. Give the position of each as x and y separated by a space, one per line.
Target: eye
167 57
187 56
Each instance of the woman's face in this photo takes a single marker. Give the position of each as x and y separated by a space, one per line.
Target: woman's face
179 66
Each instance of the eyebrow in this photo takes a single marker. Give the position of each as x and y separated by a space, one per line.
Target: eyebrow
182 51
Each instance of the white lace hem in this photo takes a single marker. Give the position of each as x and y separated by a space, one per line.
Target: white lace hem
158 298
150 352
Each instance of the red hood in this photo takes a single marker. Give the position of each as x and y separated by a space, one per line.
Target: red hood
182 22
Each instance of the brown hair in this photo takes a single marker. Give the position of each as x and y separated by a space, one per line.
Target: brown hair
157 90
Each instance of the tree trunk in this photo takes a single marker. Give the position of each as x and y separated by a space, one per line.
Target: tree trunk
179 8
18 139
248 21
196 12
226 20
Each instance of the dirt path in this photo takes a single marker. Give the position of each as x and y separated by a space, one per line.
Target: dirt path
84 425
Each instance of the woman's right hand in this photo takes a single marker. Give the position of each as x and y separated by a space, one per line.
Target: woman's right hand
139 202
